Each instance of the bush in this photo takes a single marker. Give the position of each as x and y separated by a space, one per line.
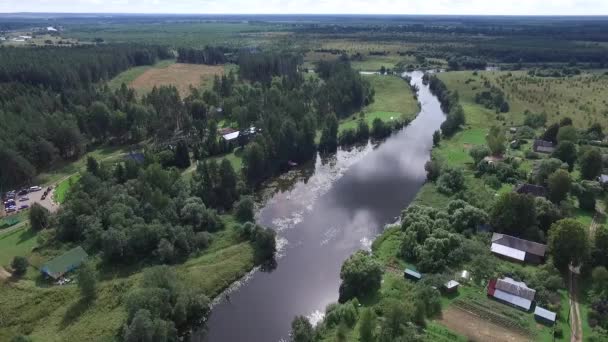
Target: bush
39 217
451 181
433 170
19 266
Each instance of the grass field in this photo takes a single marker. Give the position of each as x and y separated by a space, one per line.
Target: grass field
130 75
393 100
19 242
62 188
59 315
182 76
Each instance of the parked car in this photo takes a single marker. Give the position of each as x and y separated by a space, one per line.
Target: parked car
10 210
22 192
24 206
35 188
23 199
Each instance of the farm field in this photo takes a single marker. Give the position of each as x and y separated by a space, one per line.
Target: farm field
128 76
182 76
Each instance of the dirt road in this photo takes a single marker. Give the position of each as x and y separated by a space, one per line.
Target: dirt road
575 314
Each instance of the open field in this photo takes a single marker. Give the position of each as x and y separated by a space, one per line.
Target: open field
476 328
393 100
182 76
19 242
130 75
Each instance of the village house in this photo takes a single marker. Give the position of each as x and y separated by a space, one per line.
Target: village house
542 146
531 189
67 262
512 292
518 249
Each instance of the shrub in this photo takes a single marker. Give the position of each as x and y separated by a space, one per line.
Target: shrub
451 181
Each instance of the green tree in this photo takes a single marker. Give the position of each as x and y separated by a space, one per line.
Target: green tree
559 184
550 133
39 217
302 330
433 169
496 140
600 247
182 156
591 164
244 209
568 243
19 266
545 168
329 135
228 183
479 152
254 163
566 152
92 166
513 213
567 133
599 275
586 193
361 274
367 325
436 138
546 213
21 338
451 181
87 280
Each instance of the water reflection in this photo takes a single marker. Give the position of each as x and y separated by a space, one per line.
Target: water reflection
323 213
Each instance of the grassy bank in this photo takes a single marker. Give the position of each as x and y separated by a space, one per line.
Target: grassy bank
393 100
58 314
64 186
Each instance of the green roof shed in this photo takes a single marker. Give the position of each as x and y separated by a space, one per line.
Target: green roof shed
64 263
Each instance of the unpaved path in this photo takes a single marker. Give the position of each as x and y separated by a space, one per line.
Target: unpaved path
575 314
476 328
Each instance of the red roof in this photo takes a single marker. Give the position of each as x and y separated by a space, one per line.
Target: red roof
491 287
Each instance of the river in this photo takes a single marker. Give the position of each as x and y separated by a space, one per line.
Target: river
322 214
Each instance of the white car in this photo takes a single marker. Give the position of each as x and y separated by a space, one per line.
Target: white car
35 188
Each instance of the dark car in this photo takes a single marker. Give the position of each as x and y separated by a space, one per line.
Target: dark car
24 206
22 192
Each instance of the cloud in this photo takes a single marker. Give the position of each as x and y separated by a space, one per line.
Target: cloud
459 7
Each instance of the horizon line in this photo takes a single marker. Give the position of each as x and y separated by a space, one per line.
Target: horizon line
309 14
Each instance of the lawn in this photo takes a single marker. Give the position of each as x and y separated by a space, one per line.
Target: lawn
62 188
19 242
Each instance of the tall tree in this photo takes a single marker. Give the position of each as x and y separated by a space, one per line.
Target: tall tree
591 164
87 280
182 155
559 186
513 213
566 152
496 140
361 275
39 217
568 243
301 330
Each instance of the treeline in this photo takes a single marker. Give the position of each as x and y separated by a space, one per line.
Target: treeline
60 69
263 66
449 104
209 55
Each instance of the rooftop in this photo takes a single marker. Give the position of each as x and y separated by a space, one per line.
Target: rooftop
64 263
519 244
544 313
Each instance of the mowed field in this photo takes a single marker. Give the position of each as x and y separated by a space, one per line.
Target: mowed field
180 75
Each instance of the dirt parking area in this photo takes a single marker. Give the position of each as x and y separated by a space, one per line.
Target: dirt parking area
476 328
180 75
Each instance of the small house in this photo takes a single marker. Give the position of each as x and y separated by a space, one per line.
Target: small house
544 316
451 286
542 146
411 274
64 263
531 189
512 292
518 249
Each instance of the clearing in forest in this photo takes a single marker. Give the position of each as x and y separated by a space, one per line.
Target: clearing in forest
180 75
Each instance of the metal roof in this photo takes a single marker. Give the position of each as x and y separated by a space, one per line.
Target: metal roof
451 284
516 288
231 136
519 244
513 299
508 252
412 273
544 313
65 262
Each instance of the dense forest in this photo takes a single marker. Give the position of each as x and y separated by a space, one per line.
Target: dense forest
51 103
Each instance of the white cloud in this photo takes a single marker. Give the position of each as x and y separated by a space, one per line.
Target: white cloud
504 7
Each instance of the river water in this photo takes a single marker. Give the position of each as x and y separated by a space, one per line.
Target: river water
322 214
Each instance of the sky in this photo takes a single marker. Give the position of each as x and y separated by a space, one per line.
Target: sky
456 7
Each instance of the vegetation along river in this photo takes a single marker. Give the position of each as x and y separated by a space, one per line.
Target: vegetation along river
323 214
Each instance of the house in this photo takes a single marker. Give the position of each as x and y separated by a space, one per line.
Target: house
51 29
603 179
512 292
411 274
544 316
531 189
518 249
231 136
64 263
451 286
543 146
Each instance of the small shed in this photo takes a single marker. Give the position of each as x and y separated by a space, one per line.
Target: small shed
451 286
543 146
465 275
544 316
64 263
411 274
